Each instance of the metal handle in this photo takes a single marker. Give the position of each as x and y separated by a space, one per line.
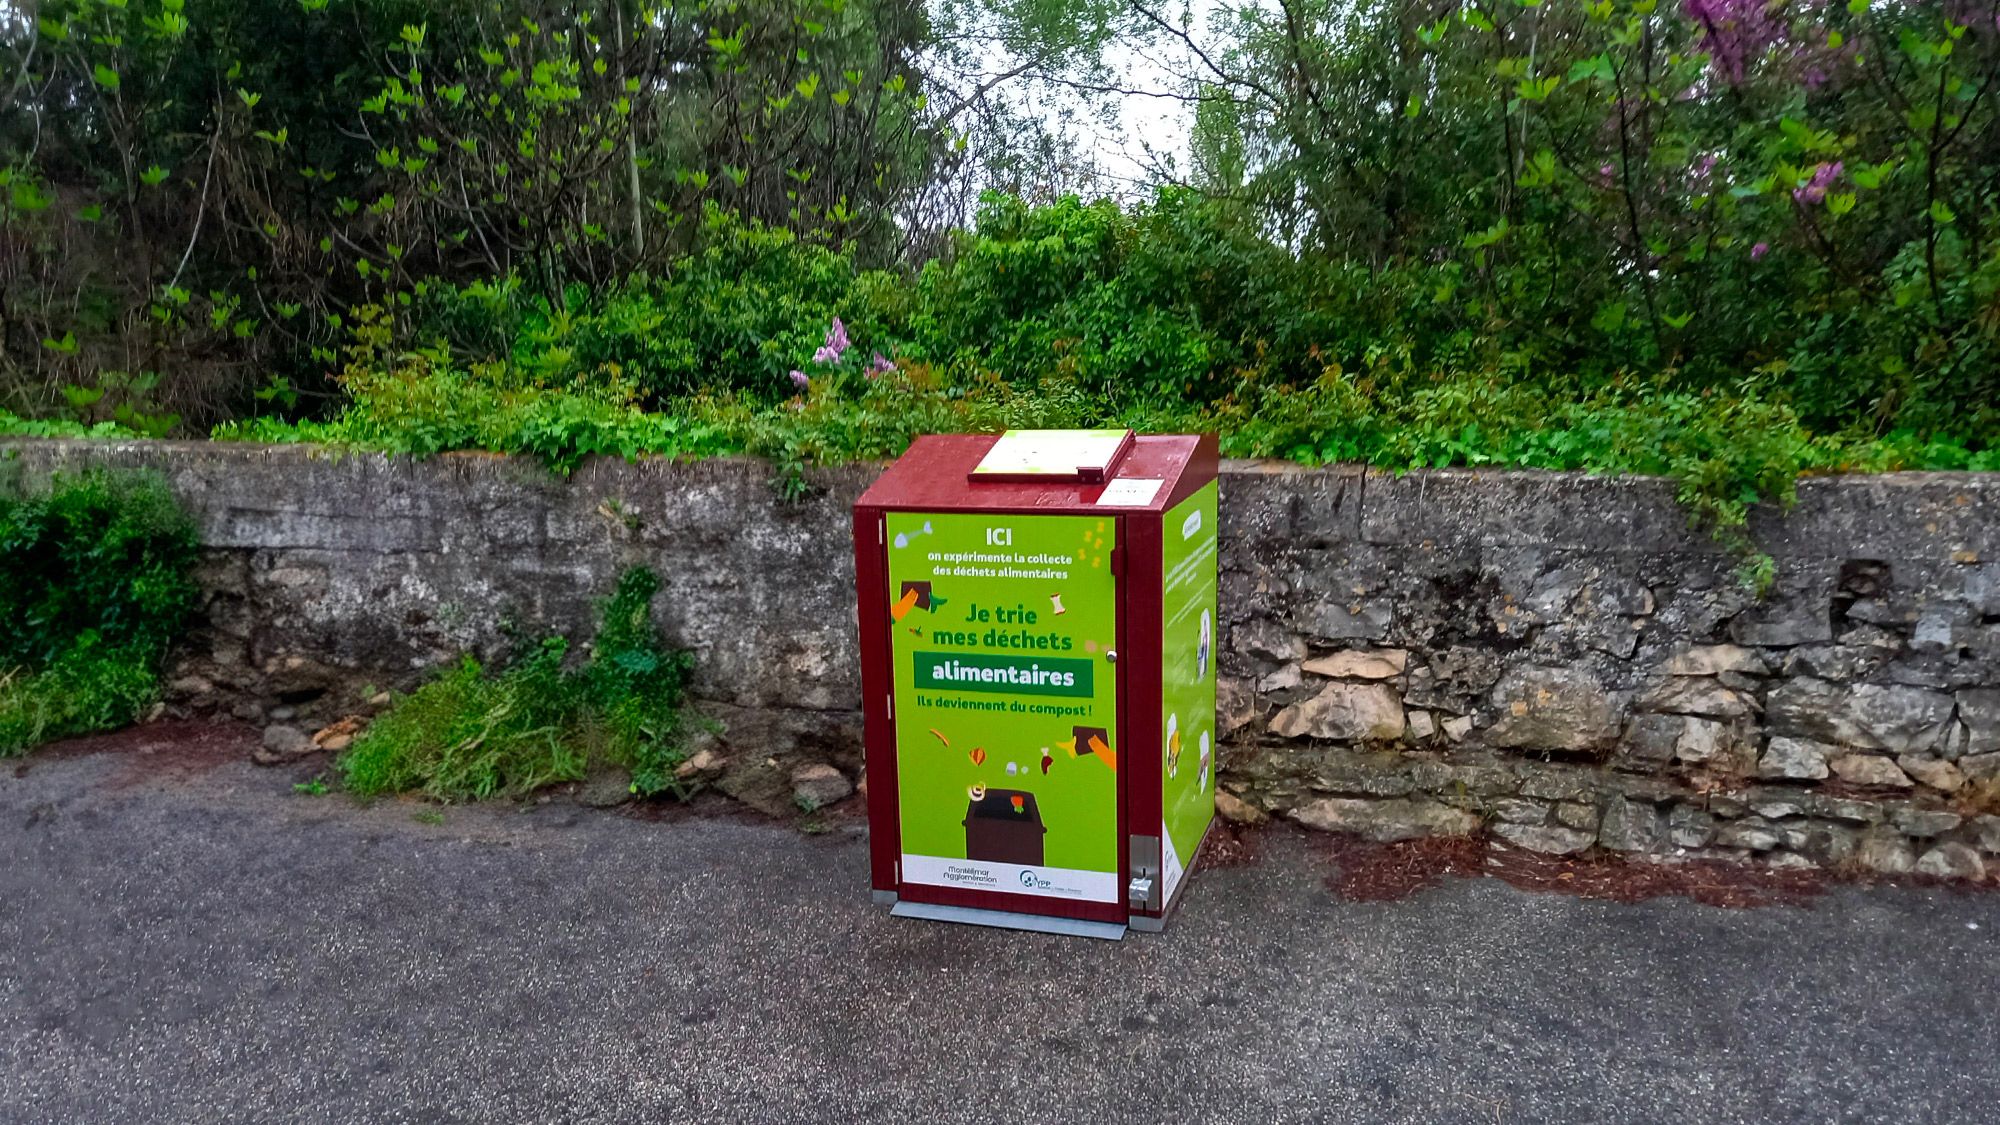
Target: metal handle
1111 655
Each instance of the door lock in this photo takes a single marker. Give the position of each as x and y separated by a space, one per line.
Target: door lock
1111 656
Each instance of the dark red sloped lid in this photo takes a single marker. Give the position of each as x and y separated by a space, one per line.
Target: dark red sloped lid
933 475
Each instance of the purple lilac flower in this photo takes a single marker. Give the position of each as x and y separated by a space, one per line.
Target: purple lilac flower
1814 190
1758 251
881 366
836 343
1733 32
800 380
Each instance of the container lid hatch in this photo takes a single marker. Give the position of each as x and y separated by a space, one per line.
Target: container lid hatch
1085 456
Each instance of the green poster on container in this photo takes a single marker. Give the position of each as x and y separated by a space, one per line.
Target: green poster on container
1187 681
1005 702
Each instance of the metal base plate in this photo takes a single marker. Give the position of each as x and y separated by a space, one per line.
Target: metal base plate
1007 920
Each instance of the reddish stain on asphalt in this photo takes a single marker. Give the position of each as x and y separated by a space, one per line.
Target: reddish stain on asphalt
172 751
1371 872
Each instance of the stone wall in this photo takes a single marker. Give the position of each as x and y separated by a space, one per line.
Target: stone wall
1559 659
1552 658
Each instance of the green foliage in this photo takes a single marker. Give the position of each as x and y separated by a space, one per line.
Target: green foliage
1712 194
589 228
1175 316
13 425
471 735
425 403
212 183
102 560
735 314
87 688
95 586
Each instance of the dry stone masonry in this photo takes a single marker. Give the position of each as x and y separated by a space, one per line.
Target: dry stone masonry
1554 659
1557 660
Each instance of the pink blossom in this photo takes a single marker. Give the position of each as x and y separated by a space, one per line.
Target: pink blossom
1758 251
836 343
1814 190
1734 33
880 366
800 380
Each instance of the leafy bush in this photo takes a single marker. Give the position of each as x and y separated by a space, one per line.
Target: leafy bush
1180 315
425 403
470 735
13 425
89 688
95 584
365 149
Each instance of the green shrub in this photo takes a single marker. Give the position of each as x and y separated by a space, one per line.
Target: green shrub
426 403
13 425
87 689
471 735
95 584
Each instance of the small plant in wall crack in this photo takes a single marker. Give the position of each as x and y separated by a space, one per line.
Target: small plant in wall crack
615 510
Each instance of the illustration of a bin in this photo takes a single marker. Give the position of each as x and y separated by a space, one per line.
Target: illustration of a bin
1004 826
1037 620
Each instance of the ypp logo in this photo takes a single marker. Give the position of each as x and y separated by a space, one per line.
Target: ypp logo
1029 881
999 537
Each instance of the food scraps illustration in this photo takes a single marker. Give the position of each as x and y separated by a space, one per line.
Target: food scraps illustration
915 595
1085 741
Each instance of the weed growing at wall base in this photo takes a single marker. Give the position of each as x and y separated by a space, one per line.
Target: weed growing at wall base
95 584
473 734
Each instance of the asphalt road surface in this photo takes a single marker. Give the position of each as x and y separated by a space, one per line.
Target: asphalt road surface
184 939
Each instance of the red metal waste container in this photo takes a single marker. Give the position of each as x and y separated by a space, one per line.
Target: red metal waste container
1037 624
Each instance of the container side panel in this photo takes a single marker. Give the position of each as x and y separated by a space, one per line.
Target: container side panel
1140 658
878 731
1006 717
1187 668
